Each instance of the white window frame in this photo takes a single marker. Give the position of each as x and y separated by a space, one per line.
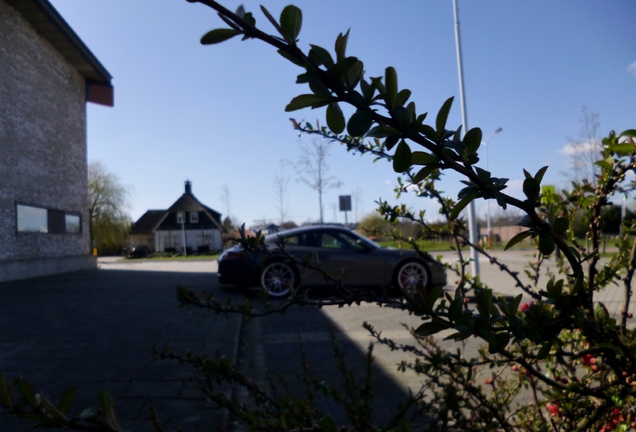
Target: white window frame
180 217
194 217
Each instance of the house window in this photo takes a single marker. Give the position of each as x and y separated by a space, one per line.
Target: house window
32 219
73 224
180 217
194 217
42 220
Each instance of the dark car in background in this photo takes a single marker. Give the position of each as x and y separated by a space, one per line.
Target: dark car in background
340 253
139 251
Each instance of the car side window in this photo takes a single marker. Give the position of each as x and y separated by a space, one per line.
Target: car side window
340 241
330 242
292 241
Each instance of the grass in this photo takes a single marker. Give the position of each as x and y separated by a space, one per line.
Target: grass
440 246
173 258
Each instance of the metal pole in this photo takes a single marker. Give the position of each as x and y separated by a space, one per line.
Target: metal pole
489 229
472 222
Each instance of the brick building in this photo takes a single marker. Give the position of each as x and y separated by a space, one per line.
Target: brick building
47 75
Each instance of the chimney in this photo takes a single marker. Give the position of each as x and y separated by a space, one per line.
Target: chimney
188 187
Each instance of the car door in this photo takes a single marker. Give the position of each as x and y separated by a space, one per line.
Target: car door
343 257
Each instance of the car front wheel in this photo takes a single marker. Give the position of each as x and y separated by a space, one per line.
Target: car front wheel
278 278
411 274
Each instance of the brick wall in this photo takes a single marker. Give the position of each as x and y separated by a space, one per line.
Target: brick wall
42 140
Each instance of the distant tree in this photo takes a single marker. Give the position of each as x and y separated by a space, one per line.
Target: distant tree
312 170
586 150
281 182
108 201
375 226
357 199
225 198
288 225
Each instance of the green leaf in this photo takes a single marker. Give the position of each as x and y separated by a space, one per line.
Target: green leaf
484 303
335 118
461 205
546 243
390 81
307 100
430 328
561 225
6 398
327 424
272 20
428 131
341 45
498 343
218 35
442 116
391 141
424 172
381 131
402 157
629 133
472 141
403 96
27 391
423 158
525 221
56 414
516 239
321 56
292 59
359 123
66 400
433 295
624 149
291 21
545 350
349 70
532 189
105 399
402 117
539 175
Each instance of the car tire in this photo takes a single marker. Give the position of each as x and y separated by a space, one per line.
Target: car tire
278 278
411 273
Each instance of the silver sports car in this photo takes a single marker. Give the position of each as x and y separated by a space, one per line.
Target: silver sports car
319 256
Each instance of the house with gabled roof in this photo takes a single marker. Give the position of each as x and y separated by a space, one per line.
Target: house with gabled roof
187 225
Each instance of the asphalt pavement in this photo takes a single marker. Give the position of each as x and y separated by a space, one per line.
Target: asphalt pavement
96 329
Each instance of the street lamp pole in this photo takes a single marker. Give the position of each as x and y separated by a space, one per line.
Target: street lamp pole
489 229
472 220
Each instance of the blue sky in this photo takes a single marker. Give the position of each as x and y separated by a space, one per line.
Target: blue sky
215 114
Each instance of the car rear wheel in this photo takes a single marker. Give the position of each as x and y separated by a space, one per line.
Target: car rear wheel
278 278
411 274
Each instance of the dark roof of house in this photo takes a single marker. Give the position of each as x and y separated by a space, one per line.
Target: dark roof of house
49 23
151 220
188 202
148 221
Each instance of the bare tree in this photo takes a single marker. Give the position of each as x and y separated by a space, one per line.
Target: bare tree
312 170
281 182
585 151
357 199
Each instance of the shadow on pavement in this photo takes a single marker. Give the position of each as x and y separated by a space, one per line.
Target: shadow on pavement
96 329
